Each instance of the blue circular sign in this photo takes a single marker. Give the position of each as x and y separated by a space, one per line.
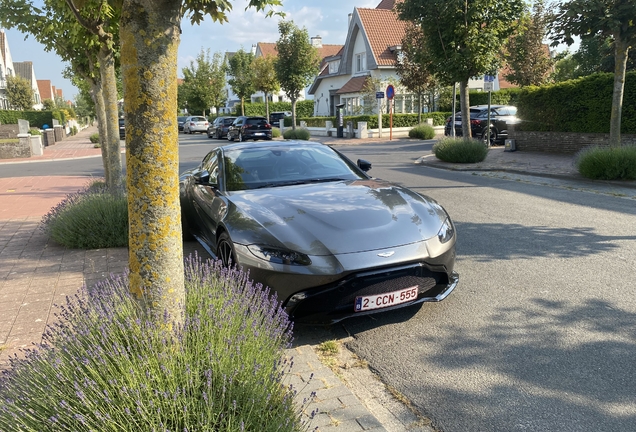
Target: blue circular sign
390 92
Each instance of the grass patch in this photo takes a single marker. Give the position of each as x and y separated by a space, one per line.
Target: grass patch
329 347
276 132
422 131
109 365
9 141
92 218
607 163
460 150
298 134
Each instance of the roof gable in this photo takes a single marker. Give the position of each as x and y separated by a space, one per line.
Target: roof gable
382 30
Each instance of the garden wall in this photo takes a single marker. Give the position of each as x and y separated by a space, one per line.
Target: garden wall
562 142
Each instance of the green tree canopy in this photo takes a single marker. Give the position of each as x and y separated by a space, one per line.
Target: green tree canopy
203 83
265 80
242 78
463 39
526 54
19 93
297 62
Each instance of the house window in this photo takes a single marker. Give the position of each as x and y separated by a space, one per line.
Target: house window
333 66
361 62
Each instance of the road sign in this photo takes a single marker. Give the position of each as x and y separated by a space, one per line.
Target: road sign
379 95
489 78
489 86
390 91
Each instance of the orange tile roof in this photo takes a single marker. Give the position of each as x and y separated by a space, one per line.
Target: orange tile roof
383 30
354 85
327 50
386 4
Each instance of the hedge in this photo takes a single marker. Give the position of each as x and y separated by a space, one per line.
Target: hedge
303 108
399 120
582 105
35 118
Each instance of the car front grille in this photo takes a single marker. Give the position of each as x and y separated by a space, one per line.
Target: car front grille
340 297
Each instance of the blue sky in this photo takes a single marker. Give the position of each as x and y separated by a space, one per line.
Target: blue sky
327 18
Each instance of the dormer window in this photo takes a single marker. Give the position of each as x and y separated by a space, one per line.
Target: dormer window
334 66
360 62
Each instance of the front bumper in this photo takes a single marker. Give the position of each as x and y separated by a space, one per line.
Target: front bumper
335 302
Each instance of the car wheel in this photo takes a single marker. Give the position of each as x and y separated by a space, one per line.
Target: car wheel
185 230
229 137
240 137
489 140
225 250
218 135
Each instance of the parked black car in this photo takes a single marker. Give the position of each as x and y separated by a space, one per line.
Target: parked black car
218 128
244 128
180 121
122 128
500 117
276 117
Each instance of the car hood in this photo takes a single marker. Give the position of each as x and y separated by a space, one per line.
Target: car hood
333 218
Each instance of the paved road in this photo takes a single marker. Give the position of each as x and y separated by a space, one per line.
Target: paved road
541 332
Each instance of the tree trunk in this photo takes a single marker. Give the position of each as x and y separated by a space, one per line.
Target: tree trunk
98 99
419 108
464 101
109 91
152 27
266 107
620 66
242 106
293 101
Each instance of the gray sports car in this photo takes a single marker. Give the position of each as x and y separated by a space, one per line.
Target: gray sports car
331 241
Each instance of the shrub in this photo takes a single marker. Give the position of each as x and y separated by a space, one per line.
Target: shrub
276 132
422 131
110 365
91 218
74 130
460 150
94 138
34 131
607 163
299 134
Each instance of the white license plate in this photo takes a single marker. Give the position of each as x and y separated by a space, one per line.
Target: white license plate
383 300
458 123
259 133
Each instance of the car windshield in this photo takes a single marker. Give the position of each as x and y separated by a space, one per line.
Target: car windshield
273 166
228 121
198 119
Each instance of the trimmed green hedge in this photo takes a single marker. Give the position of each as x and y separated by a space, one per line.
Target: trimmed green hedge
35 118
399 120
582 105
303 108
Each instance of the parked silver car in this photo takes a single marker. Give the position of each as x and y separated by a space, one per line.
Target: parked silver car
195 124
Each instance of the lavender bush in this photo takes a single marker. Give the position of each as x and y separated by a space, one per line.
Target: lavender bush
108 365
91 218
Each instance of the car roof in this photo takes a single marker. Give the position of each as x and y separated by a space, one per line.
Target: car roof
268 144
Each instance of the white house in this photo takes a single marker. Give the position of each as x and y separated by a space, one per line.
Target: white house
26 71
371 51
6 69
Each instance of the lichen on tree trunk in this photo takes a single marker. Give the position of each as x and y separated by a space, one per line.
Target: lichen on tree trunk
149 33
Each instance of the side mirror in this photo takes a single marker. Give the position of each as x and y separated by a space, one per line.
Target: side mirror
203 178
364 165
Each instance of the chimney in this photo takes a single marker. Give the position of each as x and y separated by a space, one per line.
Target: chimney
350 15
316 42
253 49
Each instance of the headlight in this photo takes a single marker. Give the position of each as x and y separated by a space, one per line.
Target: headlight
446 232
279 256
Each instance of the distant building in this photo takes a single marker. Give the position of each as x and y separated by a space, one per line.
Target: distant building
6 69
25 70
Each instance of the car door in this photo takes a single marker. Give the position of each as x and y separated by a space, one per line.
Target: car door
208 202
234 129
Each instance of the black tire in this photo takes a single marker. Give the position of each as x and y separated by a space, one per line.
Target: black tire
225 250
218 135
489 141
185 230
229 137
210 136
240 137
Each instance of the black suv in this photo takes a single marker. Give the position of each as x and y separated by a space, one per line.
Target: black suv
276 117
244 128
500 117
219 127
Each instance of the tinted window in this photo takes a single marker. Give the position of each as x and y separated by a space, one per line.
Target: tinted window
251 168
257 121
228 121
